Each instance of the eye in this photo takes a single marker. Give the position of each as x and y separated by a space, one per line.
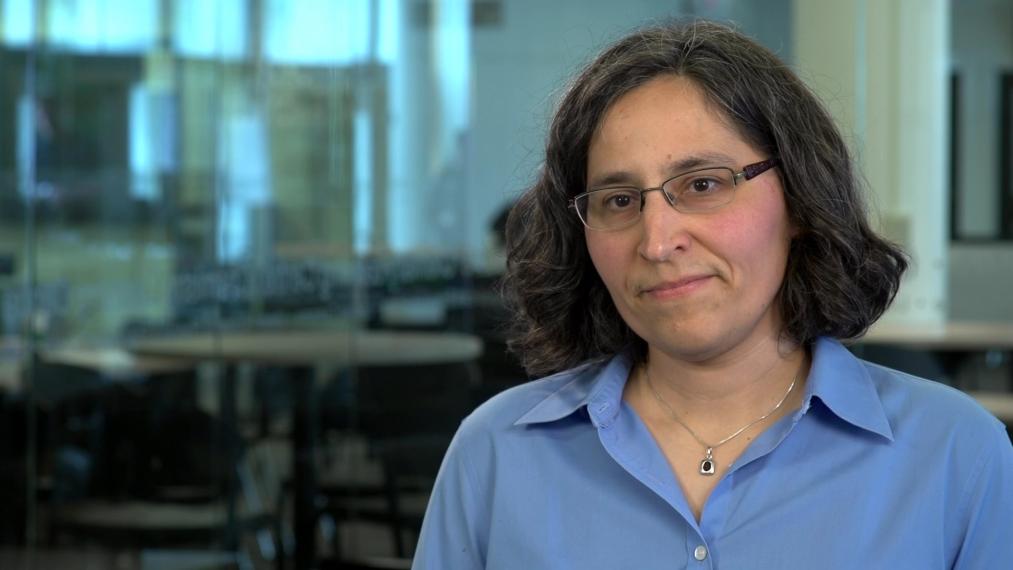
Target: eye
704 185
620 199
701 183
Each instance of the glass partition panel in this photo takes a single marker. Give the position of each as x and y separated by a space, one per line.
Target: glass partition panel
248 264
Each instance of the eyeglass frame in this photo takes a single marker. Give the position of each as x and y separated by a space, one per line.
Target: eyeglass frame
748 172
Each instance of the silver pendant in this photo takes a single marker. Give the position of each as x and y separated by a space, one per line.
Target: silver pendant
707 464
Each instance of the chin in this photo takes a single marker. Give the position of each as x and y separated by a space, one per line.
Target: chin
698 351
689 346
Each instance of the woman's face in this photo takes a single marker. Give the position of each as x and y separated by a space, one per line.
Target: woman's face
694 286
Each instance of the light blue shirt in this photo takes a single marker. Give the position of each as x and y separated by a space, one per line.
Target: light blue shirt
876 469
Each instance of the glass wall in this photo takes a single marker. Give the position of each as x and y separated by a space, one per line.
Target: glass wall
221 218
248 261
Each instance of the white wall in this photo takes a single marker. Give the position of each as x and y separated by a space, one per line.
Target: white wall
981 282
881 67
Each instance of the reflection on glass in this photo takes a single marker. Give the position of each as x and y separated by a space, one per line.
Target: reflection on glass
17 24
320 174
214 30
215 173
126 26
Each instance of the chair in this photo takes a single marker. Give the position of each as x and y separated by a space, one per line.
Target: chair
159 473
487 316
407 416
13 457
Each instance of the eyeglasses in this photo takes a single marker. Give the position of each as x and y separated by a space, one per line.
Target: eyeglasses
619 207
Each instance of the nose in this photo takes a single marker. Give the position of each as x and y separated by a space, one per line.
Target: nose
663 229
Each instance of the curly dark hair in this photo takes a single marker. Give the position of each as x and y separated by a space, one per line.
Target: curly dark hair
840 275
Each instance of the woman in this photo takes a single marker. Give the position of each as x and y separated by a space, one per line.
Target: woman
683 270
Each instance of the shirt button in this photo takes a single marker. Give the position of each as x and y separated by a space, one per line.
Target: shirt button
700 553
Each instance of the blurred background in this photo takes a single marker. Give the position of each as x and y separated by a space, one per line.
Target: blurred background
249 248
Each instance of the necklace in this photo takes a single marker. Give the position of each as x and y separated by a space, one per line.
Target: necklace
707 464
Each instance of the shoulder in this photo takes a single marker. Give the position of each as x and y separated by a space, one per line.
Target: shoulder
493 441
895 404
564 391
930 407
900 389
962 453
503 426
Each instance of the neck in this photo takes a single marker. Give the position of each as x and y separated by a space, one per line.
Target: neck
726 391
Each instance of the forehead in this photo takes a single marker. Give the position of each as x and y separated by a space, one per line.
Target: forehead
670 115
677 91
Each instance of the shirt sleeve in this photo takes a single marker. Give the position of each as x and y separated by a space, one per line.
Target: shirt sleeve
988 542
451 535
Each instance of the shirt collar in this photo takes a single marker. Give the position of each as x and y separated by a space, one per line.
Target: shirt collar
842 382
597 386
837 378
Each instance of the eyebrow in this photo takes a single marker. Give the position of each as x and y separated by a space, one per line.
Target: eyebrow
685 164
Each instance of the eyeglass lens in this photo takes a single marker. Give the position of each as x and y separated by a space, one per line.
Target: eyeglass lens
614 208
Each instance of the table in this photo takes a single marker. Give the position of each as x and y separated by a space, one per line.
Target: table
10 375
953 337
299 350
999 403
115 363
298 347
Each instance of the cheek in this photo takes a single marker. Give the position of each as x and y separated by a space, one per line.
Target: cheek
756 239
599 255
607 258
765 245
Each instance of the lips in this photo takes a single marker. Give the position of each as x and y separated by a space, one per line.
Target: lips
677 288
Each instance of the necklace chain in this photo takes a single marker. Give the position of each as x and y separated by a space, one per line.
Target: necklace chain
707 465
